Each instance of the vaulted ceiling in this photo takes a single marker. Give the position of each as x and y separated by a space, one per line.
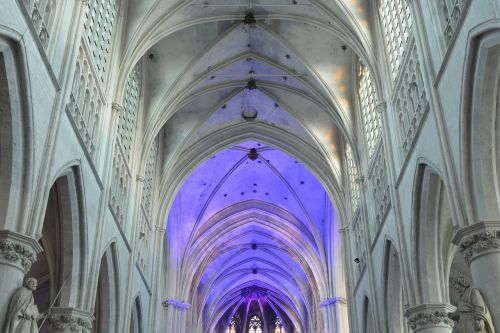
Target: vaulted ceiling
216 86
251 220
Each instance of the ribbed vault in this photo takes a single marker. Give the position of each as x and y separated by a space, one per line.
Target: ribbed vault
249 230
250 225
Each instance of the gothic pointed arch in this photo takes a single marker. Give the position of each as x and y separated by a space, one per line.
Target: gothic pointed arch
107 297
393 290
479 124
15 136
432 234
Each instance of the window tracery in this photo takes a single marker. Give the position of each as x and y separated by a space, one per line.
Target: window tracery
99 24
278 326
368 98
353 176
127 122
450 13
396 21
41 13
255 325
232 326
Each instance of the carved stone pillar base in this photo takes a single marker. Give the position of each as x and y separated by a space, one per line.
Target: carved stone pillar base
69 320
480 245
17 253
430 318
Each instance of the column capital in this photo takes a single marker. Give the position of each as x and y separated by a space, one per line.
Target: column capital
70 319
429 315
478 239
175 304
333 301
381 107
117 107
18 250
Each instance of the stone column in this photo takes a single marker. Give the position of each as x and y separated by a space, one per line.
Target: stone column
480 245
335 311
176 315
17 254
430 318
69 320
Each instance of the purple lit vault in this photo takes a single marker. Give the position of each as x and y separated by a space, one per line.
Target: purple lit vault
247 236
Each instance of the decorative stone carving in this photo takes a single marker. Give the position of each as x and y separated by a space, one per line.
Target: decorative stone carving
23 314
472 314
175 304
379 186
429 315
333 301
69 319
18 249
479 243
381 107
118 108
410 99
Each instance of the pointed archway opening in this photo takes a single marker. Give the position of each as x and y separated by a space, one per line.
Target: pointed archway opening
248 234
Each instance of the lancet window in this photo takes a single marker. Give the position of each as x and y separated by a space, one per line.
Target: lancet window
255 325
368 99
396 21
231 328
353 176
99 23
278 326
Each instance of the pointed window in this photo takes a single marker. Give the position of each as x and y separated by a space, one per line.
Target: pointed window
278 326
367 99
99 21
231 328
396 21
255 325
352 171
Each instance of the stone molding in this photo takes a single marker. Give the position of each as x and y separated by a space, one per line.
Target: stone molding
74 320
333 301
175 304
429 315
18 250
478 239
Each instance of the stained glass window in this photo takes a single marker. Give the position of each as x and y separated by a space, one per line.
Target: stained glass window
231 328
278 326
255 325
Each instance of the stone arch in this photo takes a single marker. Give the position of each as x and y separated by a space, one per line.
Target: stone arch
479 125
136 316
432 234
367 319
393 293
60 268
15 136
107 298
